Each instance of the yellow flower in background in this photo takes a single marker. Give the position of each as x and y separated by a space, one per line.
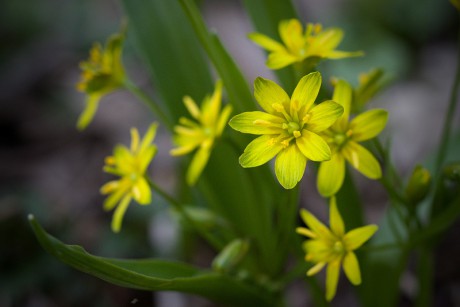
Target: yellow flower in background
289 128
131 165
333 247
343 137
208 124
315 44
101 74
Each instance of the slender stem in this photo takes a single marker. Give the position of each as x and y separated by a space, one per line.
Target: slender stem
446 131
141 95
216 243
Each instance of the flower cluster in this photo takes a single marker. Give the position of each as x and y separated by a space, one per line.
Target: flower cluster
298 46
333 247
208 124
131 165
101 74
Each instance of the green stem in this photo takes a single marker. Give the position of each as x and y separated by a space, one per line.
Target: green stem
217 244
425 277
141 95
382 247
449 115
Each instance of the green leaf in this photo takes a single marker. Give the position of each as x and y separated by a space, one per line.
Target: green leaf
238 92
171 51
155 274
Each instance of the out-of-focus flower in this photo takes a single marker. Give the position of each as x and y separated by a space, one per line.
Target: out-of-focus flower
315 44
289 128
370 84
101 74
343 138
200 133
131 165
333 247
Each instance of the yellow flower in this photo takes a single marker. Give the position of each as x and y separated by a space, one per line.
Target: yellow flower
315 44
130 164
343 138
289 128
101 74
208 124
333 247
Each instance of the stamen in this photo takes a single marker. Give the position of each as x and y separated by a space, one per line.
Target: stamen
349 133
306 118
280 108
297 134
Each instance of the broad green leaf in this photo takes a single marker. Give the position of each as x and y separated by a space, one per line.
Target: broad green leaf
171 52
155 274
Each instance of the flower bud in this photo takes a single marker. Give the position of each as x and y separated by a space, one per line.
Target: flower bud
452 171
418 185
231 255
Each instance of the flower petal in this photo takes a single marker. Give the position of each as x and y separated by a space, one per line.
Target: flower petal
265 42
361 159
260 151
332 278
291 34
343 94
335 220
192 107
330 175
337 54
141 192
327 40
358 236
313 146
324 115
351 268
290 166
316 268
280 59
257 122
267 93
223 119
85 118
315 225
117 218
307 90
199 161
368 124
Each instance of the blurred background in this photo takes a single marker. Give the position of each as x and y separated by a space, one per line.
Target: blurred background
50 169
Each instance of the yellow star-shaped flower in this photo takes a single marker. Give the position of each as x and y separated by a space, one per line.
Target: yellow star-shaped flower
101 74
130 164
333 247
315 44
207 126
289 128
343 137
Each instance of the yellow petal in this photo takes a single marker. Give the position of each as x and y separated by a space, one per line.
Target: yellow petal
134 139
323 116
119 213
361 159
223 119
199 161
332 278
306 232
330 175
92 102
260 151
149 136
265 42
351 268
290 166
268 93
358 236
110 187
291 34
343 95
280 59
335 219
313 146
211 107
257 122
327 40
141 192
315 225
307 90
368 124
316 268
337 54
192 107
112 200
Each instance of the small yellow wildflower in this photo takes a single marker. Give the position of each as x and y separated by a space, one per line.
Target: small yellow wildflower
289 128
343 138
130 164
101 74
208 125
315 44
333 247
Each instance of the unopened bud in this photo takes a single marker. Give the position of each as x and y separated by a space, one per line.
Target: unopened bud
419 185
231 255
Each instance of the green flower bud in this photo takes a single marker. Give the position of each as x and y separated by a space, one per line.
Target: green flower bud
452 171
418 185
230 256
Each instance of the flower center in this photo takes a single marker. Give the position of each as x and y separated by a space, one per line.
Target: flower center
338 247
293 126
